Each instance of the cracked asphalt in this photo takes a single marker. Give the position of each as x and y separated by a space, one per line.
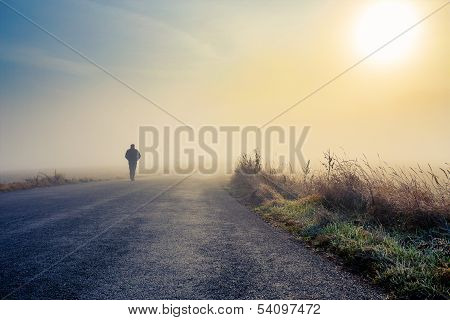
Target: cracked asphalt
108 240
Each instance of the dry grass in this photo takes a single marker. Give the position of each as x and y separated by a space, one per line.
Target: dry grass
40 180
406 198
389 224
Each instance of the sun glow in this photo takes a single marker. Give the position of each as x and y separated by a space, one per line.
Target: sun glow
381 23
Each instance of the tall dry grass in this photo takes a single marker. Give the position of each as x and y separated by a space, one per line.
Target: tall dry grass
405 198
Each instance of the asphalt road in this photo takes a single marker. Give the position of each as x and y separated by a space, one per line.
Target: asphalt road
156 238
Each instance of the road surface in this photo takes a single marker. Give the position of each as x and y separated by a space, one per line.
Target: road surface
156 238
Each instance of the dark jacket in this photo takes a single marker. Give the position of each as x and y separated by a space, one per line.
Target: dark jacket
132 155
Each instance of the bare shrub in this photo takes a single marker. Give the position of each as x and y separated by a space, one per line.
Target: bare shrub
248 164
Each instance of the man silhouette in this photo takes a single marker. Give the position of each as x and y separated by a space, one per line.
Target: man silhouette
132 155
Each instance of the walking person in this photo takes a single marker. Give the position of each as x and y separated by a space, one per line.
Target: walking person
132 155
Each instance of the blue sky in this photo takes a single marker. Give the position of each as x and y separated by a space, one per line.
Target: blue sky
43 84
107 33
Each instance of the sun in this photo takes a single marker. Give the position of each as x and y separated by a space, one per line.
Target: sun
380 23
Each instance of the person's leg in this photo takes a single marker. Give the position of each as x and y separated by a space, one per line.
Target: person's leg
130 166
133 169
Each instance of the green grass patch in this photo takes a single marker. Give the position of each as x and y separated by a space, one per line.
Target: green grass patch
404 264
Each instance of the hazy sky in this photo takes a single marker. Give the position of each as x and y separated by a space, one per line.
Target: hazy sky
222 63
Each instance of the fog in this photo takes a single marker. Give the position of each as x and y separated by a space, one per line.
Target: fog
216 64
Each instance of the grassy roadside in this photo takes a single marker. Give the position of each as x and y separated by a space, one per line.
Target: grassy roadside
42 180
406 252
